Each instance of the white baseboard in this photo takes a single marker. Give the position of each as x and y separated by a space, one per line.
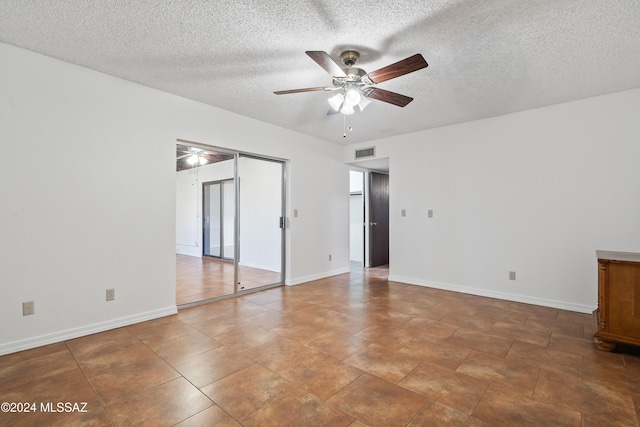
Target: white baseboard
316 277
580 308
68 334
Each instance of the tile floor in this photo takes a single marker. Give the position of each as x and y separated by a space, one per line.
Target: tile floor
351 350
201 278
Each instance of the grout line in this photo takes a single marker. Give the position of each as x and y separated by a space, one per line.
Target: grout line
481 397
420 410
95 393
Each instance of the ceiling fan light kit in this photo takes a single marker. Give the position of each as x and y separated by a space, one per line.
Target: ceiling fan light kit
347 101
353 88
194 157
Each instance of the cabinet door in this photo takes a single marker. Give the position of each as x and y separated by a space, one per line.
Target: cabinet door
623 288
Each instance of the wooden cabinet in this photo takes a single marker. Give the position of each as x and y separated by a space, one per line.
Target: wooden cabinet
617 318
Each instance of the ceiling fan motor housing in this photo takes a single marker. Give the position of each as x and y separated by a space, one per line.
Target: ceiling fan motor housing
353 76
349 57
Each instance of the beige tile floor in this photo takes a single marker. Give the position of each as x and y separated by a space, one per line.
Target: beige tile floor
351 350
202 278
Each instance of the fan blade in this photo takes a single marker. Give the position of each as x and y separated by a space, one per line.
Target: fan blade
387 96
324 60
309 89
400 68
332 112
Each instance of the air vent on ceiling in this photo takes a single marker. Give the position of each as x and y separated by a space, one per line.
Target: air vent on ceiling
366 152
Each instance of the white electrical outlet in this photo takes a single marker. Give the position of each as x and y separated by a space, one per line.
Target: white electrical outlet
295 213
430 213
404 212
28 308
330 257
111 294
512 275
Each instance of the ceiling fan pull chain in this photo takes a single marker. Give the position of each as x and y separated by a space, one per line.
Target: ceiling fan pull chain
344 126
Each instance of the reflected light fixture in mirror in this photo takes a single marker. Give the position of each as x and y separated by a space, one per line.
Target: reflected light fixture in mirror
196 158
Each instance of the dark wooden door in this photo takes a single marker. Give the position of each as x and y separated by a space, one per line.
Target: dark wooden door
378 219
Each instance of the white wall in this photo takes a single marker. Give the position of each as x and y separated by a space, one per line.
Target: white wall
356 230
535 192
356 182
189 203
356 217
94 208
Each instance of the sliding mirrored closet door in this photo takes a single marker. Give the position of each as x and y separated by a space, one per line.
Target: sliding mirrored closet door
261 226
233 204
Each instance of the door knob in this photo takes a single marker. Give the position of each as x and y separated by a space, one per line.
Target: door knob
373 223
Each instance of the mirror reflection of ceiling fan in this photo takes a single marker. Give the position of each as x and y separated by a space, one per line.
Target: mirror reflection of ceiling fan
190 157
353 87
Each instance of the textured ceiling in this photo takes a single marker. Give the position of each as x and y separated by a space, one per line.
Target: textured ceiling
486 58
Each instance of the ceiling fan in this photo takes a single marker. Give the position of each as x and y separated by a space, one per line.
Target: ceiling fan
191 155
353 86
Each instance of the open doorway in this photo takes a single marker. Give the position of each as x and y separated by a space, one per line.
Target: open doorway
228 211
368 219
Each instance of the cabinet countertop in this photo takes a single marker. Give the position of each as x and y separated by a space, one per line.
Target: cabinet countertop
618 256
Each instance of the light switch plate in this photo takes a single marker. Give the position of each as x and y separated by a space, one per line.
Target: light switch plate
28 308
